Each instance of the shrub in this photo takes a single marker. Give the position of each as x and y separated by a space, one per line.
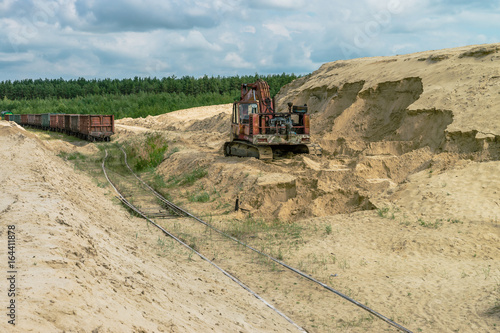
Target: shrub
147 153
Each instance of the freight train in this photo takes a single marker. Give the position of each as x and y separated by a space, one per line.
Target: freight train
91 127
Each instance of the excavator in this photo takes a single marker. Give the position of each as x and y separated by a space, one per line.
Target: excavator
258 131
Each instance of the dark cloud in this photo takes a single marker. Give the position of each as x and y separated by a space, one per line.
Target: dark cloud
136 16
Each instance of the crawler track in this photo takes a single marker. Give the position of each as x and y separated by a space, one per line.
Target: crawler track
246 260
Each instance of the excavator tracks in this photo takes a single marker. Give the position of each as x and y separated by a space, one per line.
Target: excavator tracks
314 149
266 153
244 149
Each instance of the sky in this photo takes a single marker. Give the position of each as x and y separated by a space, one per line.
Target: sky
157 38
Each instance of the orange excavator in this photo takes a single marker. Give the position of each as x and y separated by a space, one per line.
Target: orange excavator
258 131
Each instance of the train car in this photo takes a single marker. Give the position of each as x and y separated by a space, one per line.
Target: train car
54 121
67 123
38 120
60 123
16 118
45 121
97 127
7 117
75 123
31 120
24 119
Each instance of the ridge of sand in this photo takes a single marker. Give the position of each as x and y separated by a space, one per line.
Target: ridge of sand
84 264
414 97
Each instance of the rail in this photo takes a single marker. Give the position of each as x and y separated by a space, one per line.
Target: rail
186 213
137 211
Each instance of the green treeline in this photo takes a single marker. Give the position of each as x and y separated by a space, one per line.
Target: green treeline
138 97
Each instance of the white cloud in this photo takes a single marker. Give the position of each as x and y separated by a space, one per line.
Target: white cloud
6 5
279 4
249 28
196 40
277 29
234 60
16 57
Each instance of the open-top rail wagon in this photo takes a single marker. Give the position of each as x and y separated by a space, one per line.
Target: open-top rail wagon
97 127
86 126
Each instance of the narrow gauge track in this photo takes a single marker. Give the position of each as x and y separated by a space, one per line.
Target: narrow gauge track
134 190
177 212
246 260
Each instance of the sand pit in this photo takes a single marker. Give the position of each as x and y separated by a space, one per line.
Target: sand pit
402 212
411 149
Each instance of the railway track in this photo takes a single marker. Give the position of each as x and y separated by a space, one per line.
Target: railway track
133 189
276 280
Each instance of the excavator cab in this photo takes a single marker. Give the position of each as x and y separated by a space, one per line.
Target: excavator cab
244 111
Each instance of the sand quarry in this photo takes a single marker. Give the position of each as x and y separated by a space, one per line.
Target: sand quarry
406 197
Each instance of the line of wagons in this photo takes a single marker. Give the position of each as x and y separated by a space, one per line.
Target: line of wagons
89 127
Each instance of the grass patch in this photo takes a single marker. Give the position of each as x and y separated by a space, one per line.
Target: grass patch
382 212
146 152
199 197
432 225
187 179
248 227
71 156
268 233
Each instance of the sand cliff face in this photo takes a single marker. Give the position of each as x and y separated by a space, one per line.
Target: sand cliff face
448 100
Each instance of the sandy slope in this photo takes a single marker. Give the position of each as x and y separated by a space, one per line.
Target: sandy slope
445 99
463 80
85 265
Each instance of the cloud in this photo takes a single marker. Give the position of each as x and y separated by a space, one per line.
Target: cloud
277 29
249 28
133 15
18 58
127 38
234 60
5 7
279 4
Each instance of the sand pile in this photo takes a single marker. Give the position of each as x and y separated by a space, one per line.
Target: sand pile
447 100
211 119
85 265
